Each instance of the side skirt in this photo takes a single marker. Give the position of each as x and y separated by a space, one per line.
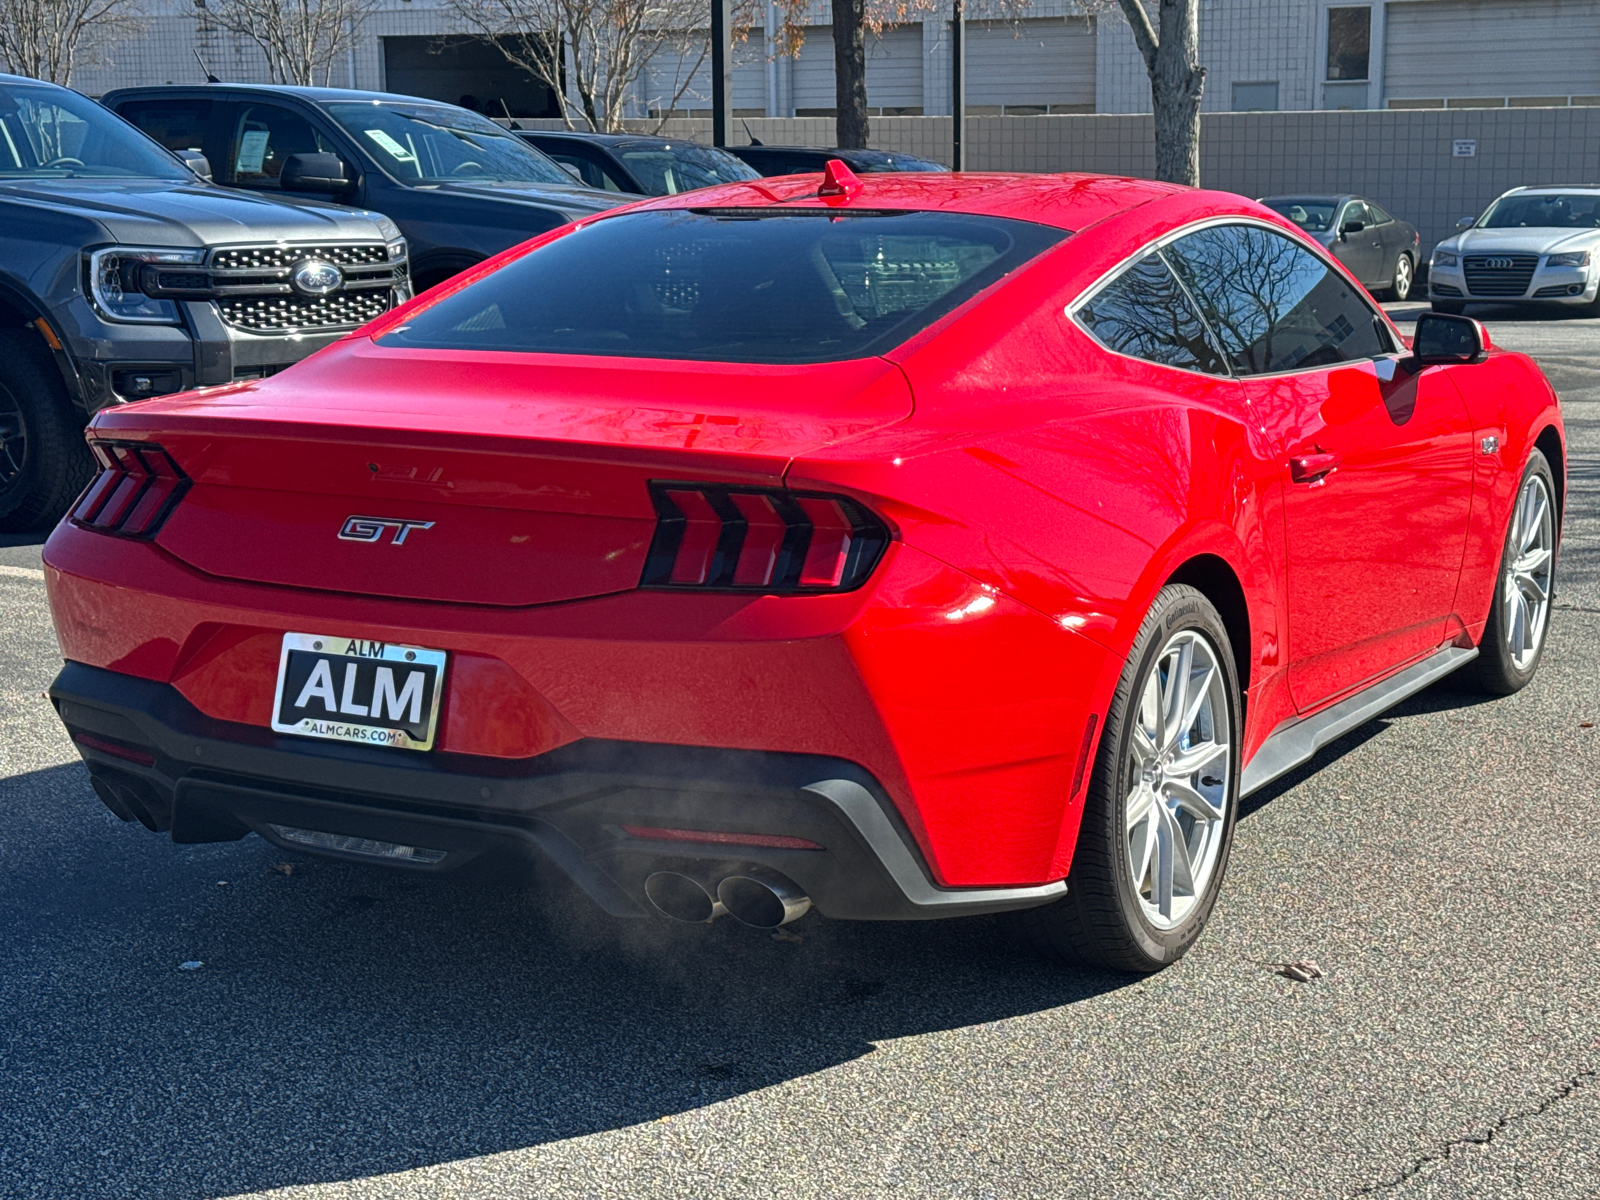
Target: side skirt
1291 745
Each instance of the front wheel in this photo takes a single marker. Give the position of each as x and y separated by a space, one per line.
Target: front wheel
1519 617
1159 814
1404 274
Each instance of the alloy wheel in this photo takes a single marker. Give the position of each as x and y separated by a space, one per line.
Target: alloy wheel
1530 565
1402 278
13 441
1176 779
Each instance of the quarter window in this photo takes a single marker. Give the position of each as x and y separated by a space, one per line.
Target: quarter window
1273 304
1145 313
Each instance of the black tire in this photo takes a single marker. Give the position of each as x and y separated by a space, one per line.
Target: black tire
1453 307
1395 292
1496 670
44 463
1102 921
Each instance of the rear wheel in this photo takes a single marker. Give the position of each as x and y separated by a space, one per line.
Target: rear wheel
1158 818
1519 617
44 462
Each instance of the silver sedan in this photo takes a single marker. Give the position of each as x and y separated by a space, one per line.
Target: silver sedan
1532 246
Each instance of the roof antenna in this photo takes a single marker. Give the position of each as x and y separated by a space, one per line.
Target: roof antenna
509 117
210 78
754 140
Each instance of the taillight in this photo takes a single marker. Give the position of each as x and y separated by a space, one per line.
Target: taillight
137 487
724 538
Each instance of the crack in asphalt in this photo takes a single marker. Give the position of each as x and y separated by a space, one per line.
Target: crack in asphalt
1576 608
1571 1084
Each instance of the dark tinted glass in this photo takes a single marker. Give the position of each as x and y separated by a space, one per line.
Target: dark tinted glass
1548 211
732 285
1145 313
47 132
1379 217
1274 305
176 124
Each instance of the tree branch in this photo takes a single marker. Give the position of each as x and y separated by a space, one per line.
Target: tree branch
1144 33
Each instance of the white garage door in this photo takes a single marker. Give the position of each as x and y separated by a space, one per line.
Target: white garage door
1445 49
894 69
1042 61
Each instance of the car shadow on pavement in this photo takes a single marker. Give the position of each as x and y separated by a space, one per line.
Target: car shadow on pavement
349 1021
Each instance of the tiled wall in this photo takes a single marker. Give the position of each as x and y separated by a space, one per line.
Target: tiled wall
1402 159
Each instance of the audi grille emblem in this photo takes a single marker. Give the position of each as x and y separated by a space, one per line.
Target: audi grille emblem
316 278
370 529
1498 264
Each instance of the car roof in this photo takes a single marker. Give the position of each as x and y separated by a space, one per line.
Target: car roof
611 139
1066 201
317 95
1308 198
1545 189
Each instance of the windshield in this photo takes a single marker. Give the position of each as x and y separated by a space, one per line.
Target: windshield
51 133
1314 216
1550 211
435 143
668 170
732 285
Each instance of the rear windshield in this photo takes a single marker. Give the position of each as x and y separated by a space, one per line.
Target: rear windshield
732 285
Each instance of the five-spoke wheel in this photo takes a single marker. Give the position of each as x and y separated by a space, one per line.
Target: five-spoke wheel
1519 618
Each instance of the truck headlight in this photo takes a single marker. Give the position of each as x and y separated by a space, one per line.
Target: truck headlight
1576 258
114 283
1443 258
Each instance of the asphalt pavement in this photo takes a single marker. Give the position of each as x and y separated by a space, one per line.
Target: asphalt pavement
360 1033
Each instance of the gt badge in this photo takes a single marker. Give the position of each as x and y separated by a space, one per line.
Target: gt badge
370 529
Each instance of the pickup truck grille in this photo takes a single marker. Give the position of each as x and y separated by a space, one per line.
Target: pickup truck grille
253 287
1499 274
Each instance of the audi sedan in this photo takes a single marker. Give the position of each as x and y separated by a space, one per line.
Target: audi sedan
1533 246
1379 250
903 547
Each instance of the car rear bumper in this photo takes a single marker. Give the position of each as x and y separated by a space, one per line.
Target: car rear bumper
154 757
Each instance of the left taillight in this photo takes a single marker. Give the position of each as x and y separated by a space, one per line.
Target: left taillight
137 487
714 537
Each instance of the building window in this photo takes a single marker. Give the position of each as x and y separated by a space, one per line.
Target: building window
1349 42
1255 97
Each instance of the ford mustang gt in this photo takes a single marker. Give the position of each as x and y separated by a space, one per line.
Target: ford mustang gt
908 546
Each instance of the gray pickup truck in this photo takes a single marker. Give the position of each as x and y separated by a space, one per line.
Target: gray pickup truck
126 274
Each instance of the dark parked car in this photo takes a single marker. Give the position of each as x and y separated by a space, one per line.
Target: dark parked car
799 160
125 275
1379 250
459 186
651 166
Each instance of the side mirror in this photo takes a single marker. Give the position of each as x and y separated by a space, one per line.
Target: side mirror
1442 339
196 162
314 173
1352 227
1466 222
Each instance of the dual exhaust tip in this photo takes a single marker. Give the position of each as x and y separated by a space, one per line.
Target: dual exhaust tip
756 896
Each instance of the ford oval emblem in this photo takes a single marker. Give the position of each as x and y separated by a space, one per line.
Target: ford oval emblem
316 278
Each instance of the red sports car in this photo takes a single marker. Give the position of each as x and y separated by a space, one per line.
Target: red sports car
911 547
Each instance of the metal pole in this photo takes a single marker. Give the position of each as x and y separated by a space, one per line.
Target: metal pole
772 59
958 88
721 71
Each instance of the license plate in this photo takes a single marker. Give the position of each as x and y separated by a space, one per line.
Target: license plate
357 690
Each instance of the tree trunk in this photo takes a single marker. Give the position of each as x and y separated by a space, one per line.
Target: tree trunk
1177 81
850 73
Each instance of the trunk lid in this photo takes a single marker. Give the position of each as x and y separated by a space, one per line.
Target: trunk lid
500 479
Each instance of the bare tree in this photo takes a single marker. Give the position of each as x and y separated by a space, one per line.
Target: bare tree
50 39
594 55
1171 53
300 39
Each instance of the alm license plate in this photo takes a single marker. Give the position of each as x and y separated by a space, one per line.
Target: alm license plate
357 690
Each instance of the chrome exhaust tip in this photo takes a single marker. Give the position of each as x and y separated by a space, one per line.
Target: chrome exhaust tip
682 898
762 898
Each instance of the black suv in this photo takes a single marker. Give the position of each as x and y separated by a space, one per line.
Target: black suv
125 275
459 186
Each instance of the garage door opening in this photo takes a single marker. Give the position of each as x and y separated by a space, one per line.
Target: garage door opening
470 71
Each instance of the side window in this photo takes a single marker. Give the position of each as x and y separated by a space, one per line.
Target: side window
176 124
1379 217
593 173
1145 313
1356 211
264 136
1273 304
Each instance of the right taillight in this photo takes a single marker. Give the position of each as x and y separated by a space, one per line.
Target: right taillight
715 537
136 488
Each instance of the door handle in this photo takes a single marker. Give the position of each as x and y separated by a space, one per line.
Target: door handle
1313 468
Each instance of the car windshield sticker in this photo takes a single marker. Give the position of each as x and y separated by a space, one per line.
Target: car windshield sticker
252 151
394 148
